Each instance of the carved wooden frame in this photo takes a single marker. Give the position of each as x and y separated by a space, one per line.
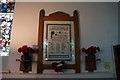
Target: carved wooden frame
58 16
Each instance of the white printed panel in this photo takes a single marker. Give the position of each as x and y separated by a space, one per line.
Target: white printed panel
58 36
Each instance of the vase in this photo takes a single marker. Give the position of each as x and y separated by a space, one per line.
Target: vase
26 56
90 62
26 63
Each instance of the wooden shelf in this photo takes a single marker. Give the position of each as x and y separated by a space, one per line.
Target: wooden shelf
21 60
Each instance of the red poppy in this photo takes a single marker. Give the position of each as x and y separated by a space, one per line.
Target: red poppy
25 49
90 50
20 49
58 69
83 50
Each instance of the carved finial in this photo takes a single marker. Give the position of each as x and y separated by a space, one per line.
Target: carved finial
42 13
75 12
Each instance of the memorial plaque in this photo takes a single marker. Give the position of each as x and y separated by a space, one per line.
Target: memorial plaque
58 40
58 37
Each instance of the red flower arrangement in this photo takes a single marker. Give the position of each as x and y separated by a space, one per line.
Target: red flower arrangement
58 67
90 50
25 49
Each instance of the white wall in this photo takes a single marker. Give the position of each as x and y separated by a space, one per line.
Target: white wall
98 26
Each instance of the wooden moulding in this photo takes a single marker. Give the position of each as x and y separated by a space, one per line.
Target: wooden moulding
21 60
58 16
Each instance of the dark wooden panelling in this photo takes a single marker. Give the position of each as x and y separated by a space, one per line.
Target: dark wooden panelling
117 60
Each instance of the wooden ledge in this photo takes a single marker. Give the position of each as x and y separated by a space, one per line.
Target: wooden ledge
21 60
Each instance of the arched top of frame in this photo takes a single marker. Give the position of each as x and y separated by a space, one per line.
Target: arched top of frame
59 13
